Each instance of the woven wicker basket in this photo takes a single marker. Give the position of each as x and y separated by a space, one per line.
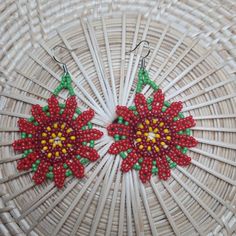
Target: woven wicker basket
192 59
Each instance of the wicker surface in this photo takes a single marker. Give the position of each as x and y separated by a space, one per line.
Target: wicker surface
193 60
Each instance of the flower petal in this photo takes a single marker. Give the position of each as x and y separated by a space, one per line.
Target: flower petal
23 144
53 105
184 123
76 167
38 113
84 118
158 100
127 114
26 126
146 171
185 141
173 110
129 161
119 129
88 152
40 174
119 146
26 163
59 174
141 105
71 105
163 167
89 134
178 157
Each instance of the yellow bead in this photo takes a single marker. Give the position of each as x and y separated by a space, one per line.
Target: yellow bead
45 148
44 134
158 135
64 150
145 134
168 138
43 142
161 124
49 155
163 143
149 148
156 130
141 126
150 129
49 128
68 130
57 154
54 145
147 121
139 133
69 145
141 147
51 140
60 144
166 131
153 140
55 125
138 140
54 135
63 125
157 149
63 138
154 121
59 134
72 137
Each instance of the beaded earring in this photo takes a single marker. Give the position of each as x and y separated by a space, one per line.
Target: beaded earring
153 135
58 139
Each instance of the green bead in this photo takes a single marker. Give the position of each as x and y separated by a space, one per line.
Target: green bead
48 114
84 143
65 165
78 111
129 150
34 166
36 123
84 161
123 137
150 100
184 151
50 168
120 120
24 155
34 169
23 135
181 115
173 165
154 162
45 108
137 167
30 150
92 143
74 117
167 104
37 162
154 170
168 158
90 125
140 160
163 109
123 155
61 111
132 108
68 173
149 107
116 137
178 147
62 105
84 127
30 135
126 123
78 156
175 118
188 131
180 132
50 175
31 119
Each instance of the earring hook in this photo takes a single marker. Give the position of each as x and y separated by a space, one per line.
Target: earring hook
60 62
143 57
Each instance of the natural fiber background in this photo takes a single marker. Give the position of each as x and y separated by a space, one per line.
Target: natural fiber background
192 58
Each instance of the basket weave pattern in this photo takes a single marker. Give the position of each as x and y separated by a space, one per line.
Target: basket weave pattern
192 59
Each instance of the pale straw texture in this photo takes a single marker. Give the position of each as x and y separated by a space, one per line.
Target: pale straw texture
192 59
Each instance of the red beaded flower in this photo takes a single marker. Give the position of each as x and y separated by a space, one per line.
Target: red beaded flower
152 136
57 141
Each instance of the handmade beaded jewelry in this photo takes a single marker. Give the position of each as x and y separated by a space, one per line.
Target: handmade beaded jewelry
152 136
58 140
